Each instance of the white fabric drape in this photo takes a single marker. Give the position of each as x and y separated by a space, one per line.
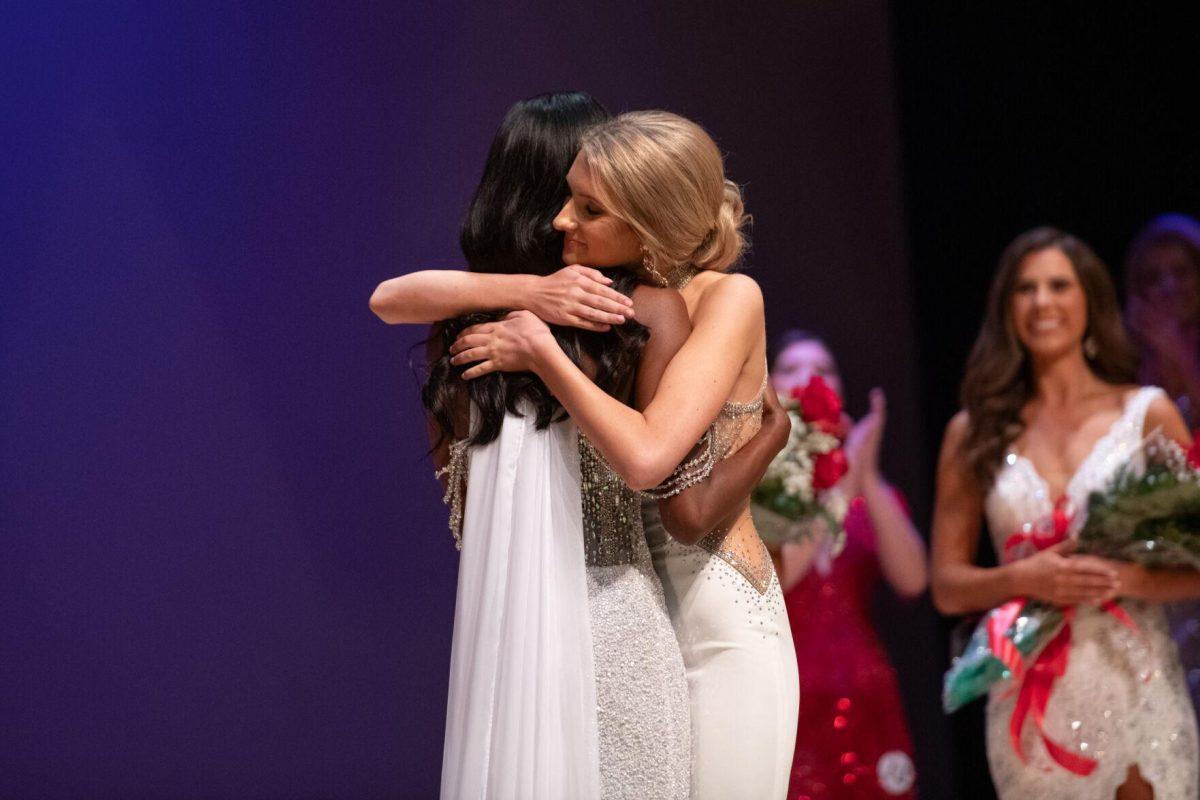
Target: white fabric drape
521 717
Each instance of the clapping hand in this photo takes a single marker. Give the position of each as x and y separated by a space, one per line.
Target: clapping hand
863 443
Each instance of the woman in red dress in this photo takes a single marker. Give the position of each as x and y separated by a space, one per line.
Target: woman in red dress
853 741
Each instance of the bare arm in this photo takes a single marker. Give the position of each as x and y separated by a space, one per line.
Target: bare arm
642 446
719 498
898 545
577 296
960 587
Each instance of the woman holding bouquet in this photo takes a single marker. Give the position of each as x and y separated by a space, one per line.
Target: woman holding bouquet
852 738
1050 413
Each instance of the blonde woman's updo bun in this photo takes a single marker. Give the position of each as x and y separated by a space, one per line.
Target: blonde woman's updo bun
664 176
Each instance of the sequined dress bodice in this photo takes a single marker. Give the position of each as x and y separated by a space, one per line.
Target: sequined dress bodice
612 513
1119 702
1020 495
739 543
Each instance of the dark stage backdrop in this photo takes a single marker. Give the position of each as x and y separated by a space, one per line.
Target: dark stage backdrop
226 571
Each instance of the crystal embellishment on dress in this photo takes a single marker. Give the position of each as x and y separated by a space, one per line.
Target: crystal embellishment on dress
739 545
641 690
612 515
758 571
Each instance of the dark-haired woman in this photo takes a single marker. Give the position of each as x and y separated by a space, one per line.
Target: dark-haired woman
1050 410
534 472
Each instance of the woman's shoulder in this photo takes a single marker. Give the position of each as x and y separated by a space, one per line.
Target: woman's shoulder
959 426
735 284
735 295
1160 412
655 304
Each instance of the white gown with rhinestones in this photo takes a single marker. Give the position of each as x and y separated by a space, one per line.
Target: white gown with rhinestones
566 680
1101 707
729 617
641 691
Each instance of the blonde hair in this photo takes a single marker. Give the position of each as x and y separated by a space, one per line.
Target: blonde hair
664 176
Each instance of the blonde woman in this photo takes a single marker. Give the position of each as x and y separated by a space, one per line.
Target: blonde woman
648 189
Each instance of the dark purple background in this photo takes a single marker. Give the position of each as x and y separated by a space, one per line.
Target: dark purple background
225 569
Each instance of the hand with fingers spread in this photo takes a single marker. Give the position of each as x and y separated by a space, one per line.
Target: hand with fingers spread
1056 576
862 445
579 297
510 345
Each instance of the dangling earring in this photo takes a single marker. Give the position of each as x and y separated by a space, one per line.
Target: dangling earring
1089 348
648 265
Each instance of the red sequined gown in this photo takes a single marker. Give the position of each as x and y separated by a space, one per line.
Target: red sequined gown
853 741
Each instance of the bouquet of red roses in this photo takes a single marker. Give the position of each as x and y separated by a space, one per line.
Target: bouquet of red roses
794 498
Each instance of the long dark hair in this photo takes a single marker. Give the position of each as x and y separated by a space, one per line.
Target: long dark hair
509 229
999 380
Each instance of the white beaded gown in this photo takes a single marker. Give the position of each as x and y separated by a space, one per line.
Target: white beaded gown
553 550
641 691
731 623
1118 702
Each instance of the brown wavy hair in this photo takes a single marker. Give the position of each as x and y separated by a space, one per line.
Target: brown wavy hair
998 381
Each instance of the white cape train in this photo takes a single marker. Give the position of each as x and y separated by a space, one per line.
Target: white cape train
521 716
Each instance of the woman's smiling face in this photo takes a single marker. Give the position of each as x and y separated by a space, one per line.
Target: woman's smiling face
1048 305
592 235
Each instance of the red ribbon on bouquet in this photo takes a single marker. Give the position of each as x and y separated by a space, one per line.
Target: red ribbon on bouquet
1037 681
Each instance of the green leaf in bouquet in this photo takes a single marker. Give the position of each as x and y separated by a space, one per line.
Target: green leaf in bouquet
1150 517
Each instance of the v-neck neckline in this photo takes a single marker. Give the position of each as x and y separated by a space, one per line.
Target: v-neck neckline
1066 490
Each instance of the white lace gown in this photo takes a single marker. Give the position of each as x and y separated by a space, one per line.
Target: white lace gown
731 623
1118 702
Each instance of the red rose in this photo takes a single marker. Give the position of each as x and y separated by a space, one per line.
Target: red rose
819 403
1193 453
828 468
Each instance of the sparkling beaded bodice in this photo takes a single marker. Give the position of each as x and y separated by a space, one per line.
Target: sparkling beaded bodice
1020 496
736 424
1122 699
612 516
738 544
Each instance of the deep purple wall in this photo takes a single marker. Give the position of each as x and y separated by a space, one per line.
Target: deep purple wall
225 569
